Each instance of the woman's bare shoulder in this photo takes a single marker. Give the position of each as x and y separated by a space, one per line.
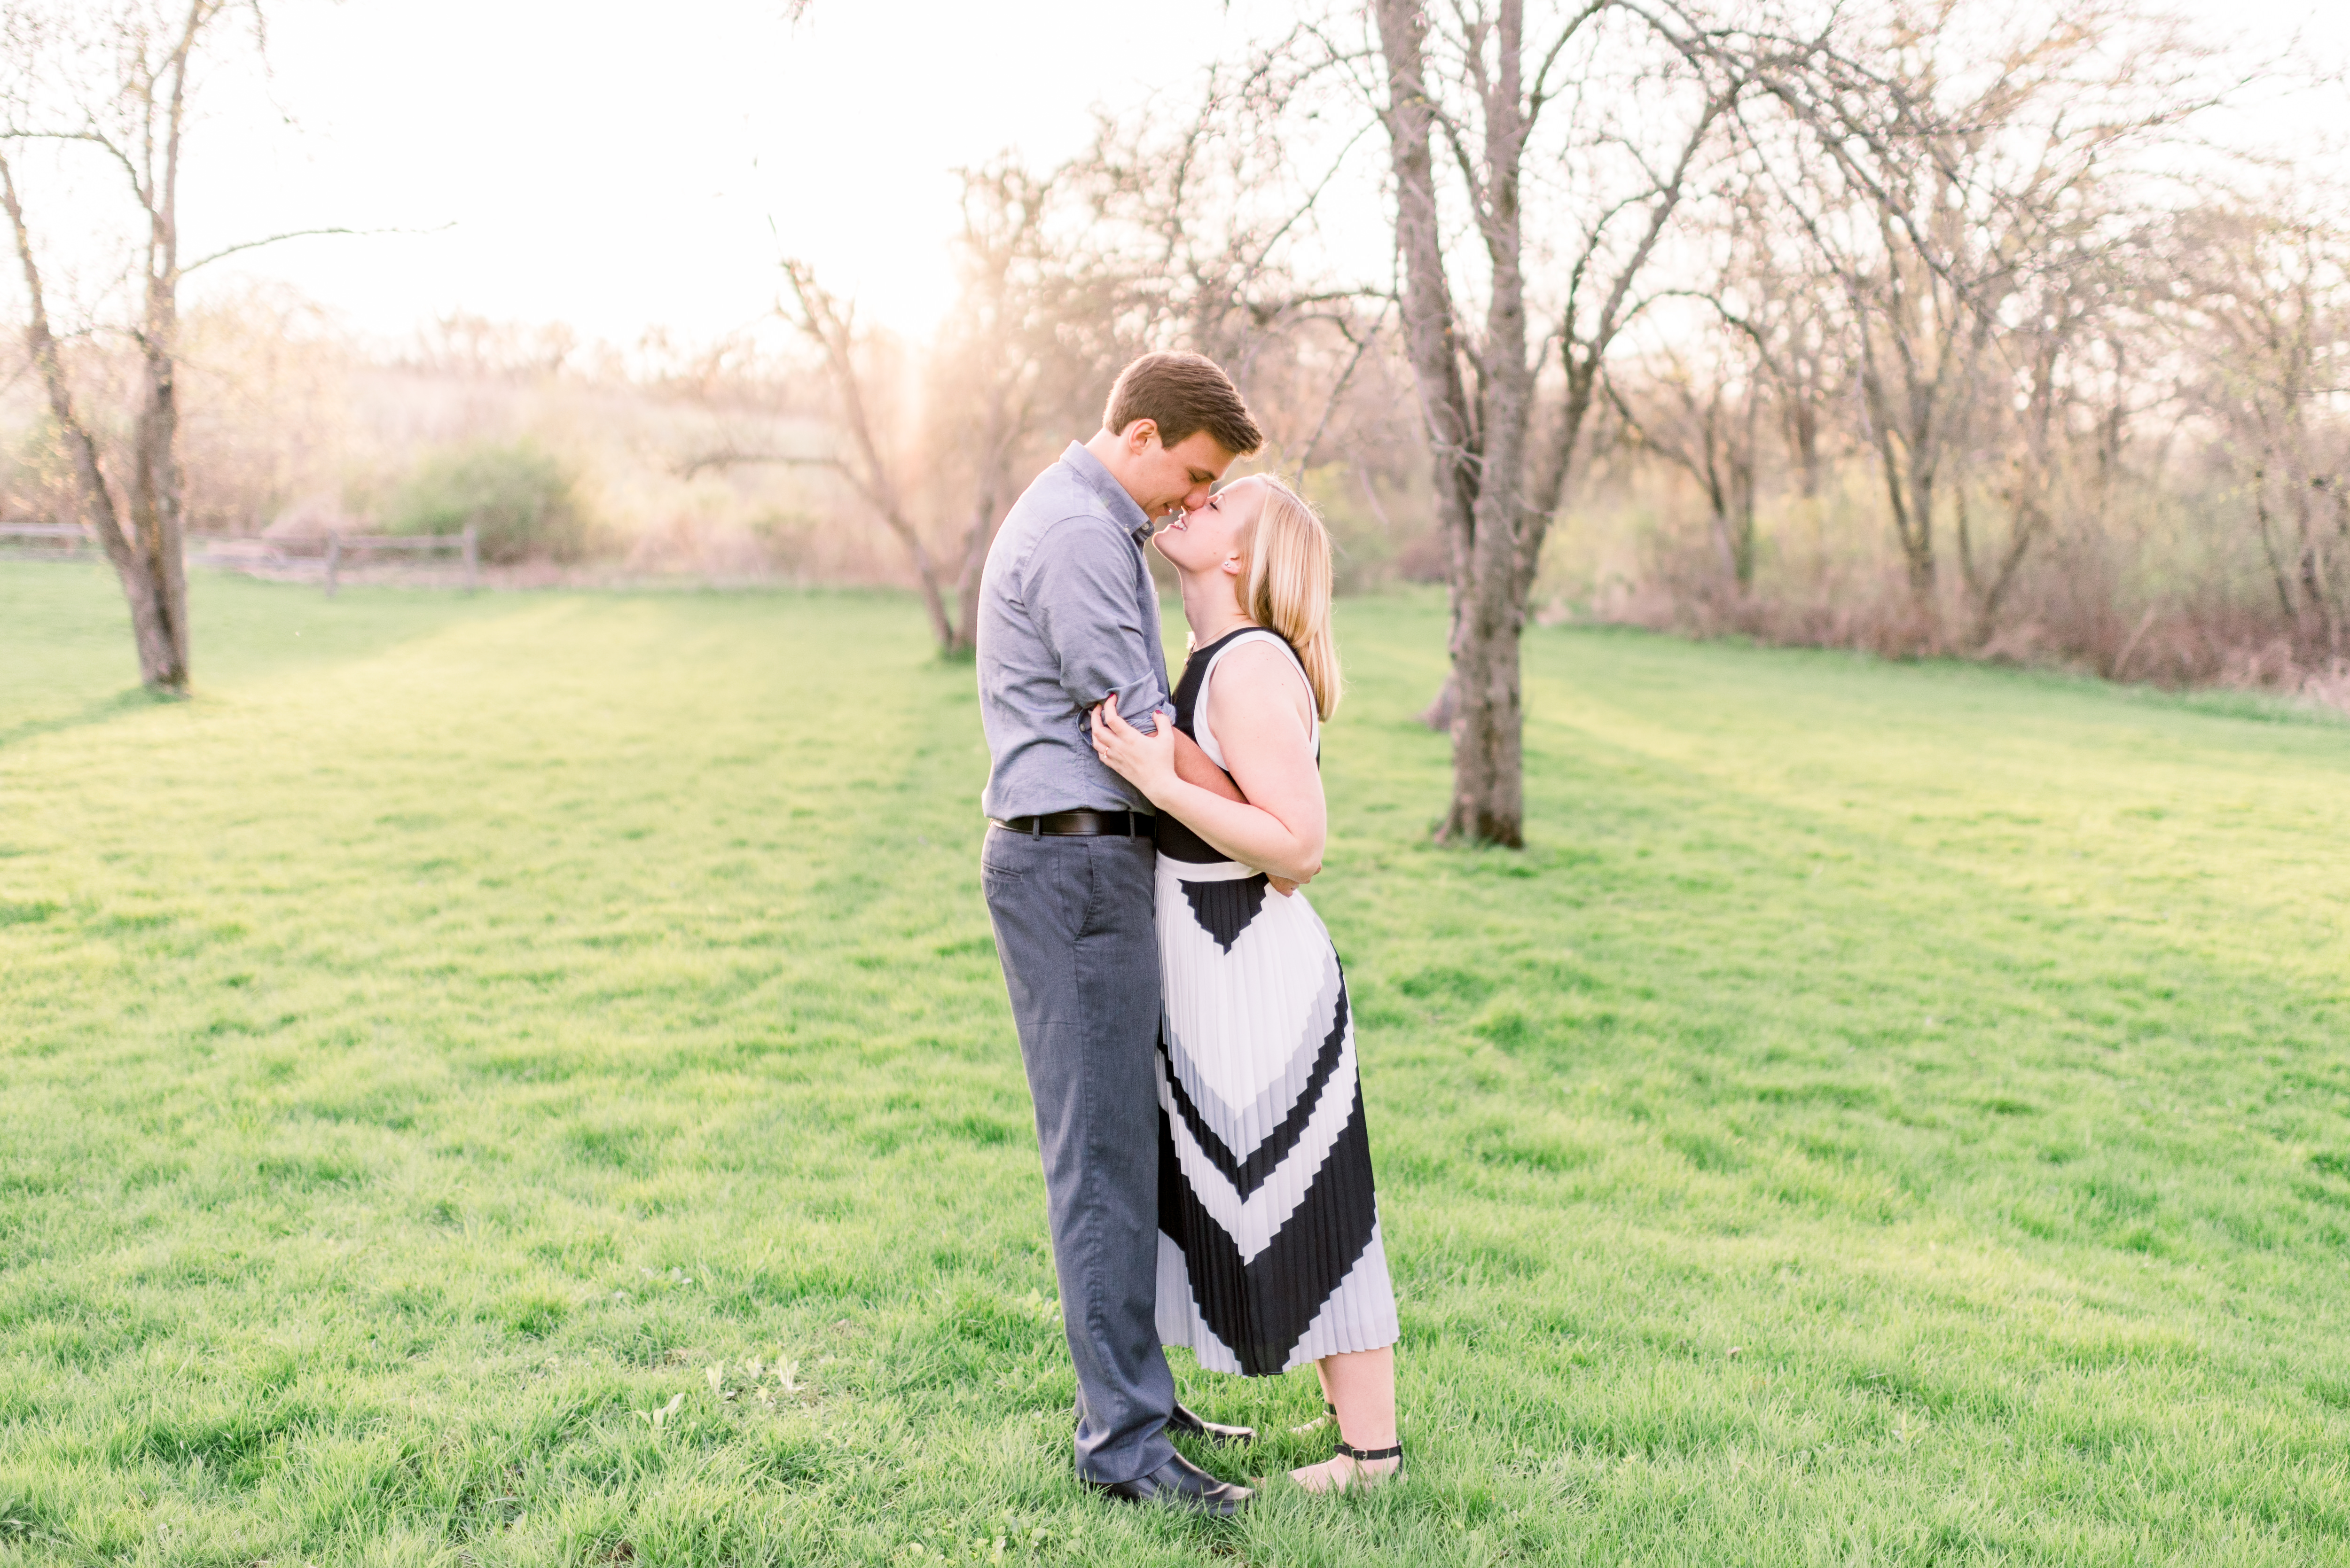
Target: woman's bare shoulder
1260 672
1256 656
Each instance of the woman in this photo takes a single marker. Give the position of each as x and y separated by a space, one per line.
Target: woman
1269 1253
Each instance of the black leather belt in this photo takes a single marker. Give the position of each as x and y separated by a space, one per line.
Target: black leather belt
1079 824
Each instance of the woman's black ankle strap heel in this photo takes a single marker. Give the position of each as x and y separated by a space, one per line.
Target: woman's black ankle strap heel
1331 1477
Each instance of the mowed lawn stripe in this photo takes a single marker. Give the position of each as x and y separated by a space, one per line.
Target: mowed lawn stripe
440 1058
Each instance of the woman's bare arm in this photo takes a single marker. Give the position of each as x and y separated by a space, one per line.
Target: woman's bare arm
1193 766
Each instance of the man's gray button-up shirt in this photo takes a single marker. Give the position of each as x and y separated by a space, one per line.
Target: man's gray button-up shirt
1067 616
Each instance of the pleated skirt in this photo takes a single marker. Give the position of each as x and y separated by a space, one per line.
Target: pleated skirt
1269 1252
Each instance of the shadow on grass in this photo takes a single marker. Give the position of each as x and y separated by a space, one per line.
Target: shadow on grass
136 700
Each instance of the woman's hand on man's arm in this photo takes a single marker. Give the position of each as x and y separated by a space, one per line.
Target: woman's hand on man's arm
1278 829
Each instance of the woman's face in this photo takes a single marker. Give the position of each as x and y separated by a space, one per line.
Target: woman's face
1205 540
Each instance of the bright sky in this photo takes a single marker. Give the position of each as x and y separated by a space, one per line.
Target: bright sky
621 167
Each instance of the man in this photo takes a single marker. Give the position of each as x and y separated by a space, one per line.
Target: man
1069 616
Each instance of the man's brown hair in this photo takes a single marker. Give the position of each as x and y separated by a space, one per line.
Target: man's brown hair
1183 394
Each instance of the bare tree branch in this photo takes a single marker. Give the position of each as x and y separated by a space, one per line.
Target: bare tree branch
299 234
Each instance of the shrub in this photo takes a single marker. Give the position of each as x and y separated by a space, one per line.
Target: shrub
520 497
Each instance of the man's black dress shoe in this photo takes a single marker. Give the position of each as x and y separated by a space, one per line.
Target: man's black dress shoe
1184 1420
1184 1484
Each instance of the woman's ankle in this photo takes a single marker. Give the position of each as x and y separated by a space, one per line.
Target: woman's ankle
1341 1471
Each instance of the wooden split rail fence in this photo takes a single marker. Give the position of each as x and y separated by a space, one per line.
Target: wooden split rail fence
467 543
68 534
223 550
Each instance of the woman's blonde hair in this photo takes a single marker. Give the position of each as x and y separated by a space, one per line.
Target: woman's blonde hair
1287 588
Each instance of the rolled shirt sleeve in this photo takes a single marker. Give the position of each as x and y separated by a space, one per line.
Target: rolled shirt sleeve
1081 593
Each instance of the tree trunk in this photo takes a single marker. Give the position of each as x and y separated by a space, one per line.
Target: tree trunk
156 527
1803 436
1922 573
146 557
1488 727
986 512
2269 550
1494 523
1741 523
935 603
2325 634
830 327
1429 339
1910 497
1488 731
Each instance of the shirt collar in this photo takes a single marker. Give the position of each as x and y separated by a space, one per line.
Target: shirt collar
1100 480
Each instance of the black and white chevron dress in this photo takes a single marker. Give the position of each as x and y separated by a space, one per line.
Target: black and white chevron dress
1269 1253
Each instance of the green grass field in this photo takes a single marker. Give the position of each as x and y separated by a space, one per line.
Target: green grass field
1890 1115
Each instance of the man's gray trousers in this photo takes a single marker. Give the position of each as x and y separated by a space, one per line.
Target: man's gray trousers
1074 931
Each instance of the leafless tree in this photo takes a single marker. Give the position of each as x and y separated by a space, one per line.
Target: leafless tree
115 84
1164 232
2067 306
1701 411
871 471
1955 198
2266 294
1195 225
1927 205
1035 331
1771 291
1467 93
1020 366
1758 344
136 121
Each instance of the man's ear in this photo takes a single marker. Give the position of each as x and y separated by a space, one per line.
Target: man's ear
1140 434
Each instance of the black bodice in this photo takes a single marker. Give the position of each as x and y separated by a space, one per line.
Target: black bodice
1176 841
